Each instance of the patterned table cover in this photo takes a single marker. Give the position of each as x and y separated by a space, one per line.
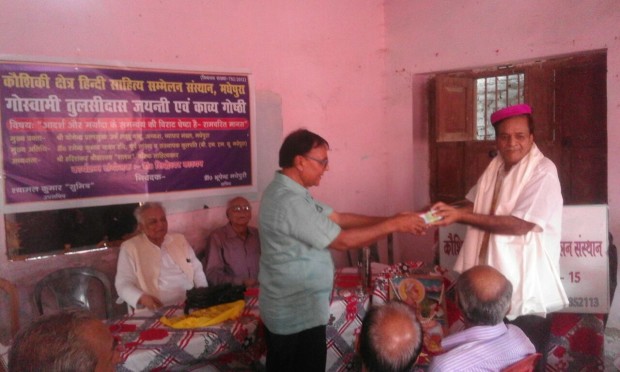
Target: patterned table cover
150 345
433 329
576 340
348 307
4 357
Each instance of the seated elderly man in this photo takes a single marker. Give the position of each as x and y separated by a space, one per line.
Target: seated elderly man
156 268
234 249
486 343
391 338
68 341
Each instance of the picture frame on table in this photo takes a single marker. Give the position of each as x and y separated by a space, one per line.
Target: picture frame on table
426 294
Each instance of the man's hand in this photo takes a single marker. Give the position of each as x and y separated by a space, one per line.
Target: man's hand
150 302
410 222
448 213
507 225
359 230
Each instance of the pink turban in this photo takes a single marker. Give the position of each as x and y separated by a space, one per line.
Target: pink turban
510 111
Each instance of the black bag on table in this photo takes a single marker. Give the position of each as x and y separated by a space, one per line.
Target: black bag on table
200 298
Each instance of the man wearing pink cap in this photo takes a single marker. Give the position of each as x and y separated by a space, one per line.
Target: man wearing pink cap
514 217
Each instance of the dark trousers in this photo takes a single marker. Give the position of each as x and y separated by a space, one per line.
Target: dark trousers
305 351
538 330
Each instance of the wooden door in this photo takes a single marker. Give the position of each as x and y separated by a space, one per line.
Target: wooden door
568 97
581 120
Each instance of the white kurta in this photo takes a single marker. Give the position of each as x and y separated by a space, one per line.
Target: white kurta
530 191
165 272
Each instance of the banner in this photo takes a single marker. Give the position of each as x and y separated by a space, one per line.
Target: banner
584 256
72 132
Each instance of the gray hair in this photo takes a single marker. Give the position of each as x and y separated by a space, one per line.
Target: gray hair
143 207
53 343
478 310
380 351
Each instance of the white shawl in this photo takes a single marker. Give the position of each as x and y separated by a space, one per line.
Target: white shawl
521 258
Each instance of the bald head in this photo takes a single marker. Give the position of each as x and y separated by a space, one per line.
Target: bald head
238 200
391 338
484 295
486 281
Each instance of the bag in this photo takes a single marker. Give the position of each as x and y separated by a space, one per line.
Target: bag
203 297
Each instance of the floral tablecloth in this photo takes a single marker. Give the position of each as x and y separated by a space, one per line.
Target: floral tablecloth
150 345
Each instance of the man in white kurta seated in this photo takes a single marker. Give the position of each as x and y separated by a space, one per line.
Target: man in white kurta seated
155 268
514 218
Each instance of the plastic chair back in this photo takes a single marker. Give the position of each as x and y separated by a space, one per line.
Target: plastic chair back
355 255
11 291
76 287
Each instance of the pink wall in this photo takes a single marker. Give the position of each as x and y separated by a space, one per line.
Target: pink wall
324 59
429 36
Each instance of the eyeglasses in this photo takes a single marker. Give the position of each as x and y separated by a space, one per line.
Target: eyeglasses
323 162
239 208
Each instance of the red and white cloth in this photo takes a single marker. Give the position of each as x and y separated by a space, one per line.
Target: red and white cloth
150 345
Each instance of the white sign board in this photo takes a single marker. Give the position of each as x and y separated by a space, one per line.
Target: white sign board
584 257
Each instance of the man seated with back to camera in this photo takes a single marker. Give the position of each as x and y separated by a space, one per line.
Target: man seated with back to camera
233 250
156 268
72 340
487 343
391 338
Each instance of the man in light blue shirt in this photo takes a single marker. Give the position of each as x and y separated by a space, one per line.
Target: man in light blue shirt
296 268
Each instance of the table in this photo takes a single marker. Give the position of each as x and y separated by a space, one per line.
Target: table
150 345
347 308
350 302
439 317
576 341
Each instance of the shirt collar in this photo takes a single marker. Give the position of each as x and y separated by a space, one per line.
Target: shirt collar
166 240
290 184
473 334
230 232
